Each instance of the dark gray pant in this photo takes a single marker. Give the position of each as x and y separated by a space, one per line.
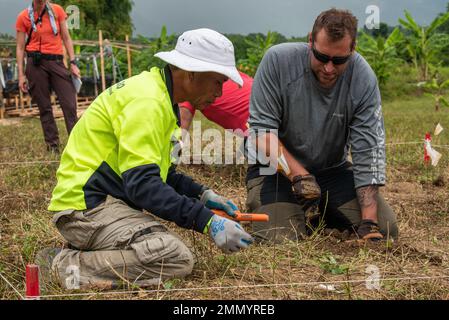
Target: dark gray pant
338 206
51 74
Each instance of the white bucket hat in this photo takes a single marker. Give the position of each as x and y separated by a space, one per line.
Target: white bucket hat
204 50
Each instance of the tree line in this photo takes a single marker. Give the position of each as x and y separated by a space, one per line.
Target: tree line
424 48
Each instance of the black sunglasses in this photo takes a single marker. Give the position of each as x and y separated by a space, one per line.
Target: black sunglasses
324 58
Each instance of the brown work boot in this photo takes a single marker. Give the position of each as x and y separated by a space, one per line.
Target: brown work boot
369 230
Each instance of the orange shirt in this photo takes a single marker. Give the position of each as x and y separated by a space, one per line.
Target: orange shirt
44 39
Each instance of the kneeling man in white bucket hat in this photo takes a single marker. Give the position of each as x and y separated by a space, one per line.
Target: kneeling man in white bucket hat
118 163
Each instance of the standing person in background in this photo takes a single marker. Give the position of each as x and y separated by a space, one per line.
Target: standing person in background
42 32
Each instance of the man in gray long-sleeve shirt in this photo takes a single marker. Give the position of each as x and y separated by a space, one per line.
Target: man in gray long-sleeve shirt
322 98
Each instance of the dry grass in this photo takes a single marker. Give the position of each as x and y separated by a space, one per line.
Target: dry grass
262 272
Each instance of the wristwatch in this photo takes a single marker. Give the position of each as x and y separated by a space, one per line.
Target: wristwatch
74 62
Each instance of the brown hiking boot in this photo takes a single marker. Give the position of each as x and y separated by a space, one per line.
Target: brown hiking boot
369 230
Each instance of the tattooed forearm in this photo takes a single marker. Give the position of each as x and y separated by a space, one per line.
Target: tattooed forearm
367 196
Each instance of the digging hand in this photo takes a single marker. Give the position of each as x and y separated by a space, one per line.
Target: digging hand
306 189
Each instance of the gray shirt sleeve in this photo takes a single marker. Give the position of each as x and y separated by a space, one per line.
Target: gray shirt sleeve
367 131
266 101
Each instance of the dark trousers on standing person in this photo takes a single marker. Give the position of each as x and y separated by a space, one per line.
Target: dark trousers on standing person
42 78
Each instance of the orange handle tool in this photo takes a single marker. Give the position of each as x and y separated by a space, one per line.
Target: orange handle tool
243 216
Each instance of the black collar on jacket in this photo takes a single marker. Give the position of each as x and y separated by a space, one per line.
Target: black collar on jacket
169 84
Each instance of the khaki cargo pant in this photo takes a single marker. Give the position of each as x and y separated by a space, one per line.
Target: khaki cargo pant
113 244
338 207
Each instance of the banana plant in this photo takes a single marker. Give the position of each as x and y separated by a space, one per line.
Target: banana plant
381 53
436 90
164 42
256 51
423 43
145 59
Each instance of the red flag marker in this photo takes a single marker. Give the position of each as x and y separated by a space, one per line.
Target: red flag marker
32 282
426 154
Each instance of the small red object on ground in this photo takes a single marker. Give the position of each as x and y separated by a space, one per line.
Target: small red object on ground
32 282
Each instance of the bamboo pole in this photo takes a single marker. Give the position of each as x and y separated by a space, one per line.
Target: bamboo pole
128 53
94 67
103 79
114 44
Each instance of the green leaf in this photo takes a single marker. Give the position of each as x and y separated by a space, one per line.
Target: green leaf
437 22
412 22
370 52
444 102
369 39
380 43
407 25
395 37
435 83
445 84
163 35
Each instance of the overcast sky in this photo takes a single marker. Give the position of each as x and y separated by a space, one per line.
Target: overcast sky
289 17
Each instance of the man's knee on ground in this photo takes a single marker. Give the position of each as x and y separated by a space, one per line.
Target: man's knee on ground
387 219
349 215
166 251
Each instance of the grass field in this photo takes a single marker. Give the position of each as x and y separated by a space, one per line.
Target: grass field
412 267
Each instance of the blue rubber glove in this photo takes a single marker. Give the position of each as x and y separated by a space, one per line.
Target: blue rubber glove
213 201
228 235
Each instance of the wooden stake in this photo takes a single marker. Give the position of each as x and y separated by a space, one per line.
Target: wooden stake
103 79
128 52
95 76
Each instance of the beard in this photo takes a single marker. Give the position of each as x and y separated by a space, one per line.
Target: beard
327 80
